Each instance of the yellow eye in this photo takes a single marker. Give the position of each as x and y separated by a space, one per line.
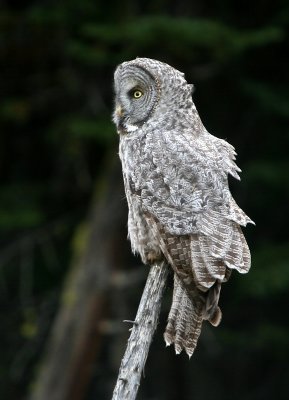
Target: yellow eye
137 94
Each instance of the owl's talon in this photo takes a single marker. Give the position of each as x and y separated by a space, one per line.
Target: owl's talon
153 257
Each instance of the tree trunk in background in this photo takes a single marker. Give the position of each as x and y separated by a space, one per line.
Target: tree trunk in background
76 334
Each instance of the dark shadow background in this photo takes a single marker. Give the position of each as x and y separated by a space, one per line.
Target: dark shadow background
56 138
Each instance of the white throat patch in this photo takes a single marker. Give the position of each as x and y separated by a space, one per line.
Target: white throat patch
130 128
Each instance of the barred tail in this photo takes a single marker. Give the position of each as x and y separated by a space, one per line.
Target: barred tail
212 311
184 321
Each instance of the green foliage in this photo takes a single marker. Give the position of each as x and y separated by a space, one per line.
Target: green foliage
20 206
85 128
269 276
273 99
206 38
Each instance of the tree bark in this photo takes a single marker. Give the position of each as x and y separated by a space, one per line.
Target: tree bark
144 326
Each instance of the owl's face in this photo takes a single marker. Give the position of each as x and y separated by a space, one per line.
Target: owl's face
136 96
151 91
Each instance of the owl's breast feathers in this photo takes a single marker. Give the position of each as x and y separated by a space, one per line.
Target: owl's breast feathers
182 182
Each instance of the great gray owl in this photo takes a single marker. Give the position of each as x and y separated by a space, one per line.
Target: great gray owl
176 183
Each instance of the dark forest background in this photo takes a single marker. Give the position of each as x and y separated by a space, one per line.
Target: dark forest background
67 278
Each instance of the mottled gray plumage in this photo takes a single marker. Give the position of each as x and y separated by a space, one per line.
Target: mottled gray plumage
176 182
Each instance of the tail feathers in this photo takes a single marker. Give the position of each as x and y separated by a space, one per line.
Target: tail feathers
216 317
212 311
184 321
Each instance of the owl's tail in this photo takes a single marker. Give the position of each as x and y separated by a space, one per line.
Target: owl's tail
184 321
186 317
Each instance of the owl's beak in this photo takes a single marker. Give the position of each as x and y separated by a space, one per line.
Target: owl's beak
118 117
118 111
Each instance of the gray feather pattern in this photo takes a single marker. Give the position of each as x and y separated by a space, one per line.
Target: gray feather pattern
176 182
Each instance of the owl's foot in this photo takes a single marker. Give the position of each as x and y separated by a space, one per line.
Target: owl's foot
153 257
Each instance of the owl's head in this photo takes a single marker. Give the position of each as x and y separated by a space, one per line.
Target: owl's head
145 88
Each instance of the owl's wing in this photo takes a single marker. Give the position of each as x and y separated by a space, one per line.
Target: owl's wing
184 186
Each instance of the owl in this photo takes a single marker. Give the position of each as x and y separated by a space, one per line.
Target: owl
180 208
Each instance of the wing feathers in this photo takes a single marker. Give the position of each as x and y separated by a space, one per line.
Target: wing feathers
218 230
202 276
237 214
238 256
212 255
